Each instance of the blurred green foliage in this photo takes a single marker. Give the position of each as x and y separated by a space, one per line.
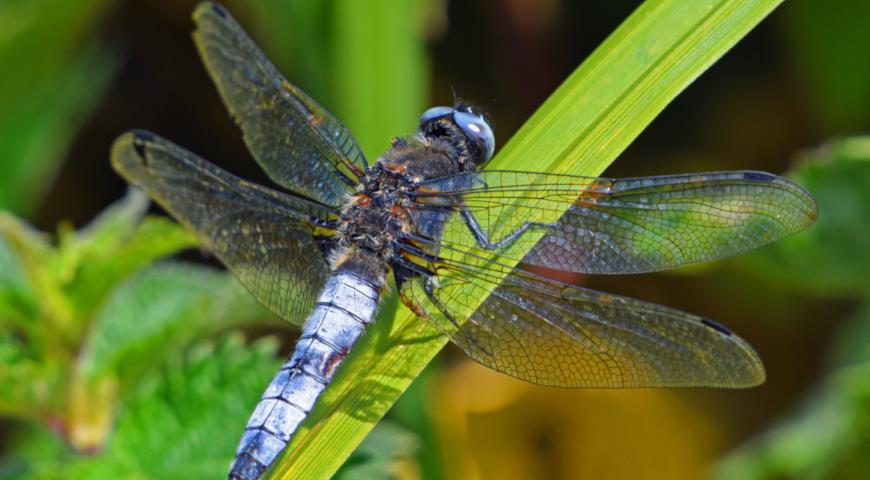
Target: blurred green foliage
387 452
833 257
59 78
382 44
296 37
829 434
827 40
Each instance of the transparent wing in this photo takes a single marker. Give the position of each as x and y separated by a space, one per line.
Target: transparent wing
627 225
269 240
297 142
549 333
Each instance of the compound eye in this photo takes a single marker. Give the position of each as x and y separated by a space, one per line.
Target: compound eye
435 112
477 130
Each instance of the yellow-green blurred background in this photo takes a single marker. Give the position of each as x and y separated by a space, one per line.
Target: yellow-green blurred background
792 98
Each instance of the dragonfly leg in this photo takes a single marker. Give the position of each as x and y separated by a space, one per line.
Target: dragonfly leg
483 239
429 287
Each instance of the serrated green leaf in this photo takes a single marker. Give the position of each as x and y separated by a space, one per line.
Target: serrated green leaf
154 238
30 385
65 284
110 227
62 364
115 245
158 312
596 113
182 424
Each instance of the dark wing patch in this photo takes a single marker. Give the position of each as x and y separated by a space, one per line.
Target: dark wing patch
266 238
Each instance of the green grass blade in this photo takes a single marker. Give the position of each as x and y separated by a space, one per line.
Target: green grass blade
580 129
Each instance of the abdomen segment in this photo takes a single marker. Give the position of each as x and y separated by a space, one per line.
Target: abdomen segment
345 307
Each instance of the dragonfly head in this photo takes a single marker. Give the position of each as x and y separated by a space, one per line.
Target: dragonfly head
463 120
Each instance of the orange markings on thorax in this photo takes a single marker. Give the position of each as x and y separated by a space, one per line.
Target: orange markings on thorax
362 199
395 167
400 212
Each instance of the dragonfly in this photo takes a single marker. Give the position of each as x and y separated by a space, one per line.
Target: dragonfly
428 217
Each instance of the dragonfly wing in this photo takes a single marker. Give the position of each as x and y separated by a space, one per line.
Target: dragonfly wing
550 333
299 144
266 238
628 225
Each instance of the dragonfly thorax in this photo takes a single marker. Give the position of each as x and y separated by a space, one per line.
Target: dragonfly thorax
372 218
369 225
376 216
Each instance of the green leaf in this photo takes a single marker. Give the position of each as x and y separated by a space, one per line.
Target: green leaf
837 175
182 423
116 244
72 329
55 290
160 311
17 305
33 256
580 129
30 385
157 313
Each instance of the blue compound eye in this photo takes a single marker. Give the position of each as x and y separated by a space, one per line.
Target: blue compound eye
478 131
435 112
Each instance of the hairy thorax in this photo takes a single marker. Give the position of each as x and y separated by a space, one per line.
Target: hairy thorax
374 218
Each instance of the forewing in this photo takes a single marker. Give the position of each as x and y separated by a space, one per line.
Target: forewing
297 142
630 225
549 333
266 238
